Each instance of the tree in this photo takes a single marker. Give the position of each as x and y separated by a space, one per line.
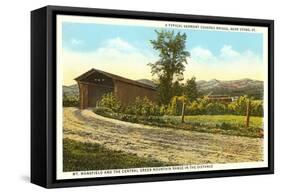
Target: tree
177 88
190 89
238 107
171 65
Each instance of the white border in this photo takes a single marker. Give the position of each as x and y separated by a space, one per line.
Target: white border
158 170
59 124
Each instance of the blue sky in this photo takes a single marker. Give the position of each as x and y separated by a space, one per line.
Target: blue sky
115 47
95 34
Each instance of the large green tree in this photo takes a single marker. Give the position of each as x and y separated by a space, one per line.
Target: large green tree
190 89
171 64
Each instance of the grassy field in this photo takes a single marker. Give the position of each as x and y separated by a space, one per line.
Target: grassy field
222 124
78 156
219 119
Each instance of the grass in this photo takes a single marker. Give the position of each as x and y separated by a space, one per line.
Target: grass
226 124
78 156
222 124
219 119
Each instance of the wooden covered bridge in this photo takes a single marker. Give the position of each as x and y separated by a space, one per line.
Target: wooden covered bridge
95 83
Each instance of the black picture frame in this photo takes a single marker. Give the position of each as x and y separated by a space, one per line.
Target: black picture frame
43 95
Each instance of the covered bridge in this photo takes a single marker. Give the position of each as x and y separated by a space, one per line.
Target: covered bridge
95 83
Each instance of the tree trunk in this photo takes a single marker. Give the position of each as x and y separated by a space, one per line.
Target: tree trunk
248 113
182 112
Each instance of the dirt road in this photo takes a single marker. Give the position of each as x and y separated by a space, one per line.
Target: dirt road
164 144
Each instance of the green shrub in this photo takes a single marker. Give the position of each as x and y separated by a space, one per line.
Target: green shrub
257 108
129 118
225 126
193 109
197 107
239 107
102 110
162 110
175 106
215 108
70 101
109 101
143 107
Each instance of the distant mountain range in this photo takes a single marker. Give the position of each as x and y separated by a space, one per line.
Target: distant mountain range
214 87
232 87
71 90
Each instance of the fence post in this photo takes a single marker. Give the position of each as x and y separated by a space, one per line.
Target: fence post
182 111
248 112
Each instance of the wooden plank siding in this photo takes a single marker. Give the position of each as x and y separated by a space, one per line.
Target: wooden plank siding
127 93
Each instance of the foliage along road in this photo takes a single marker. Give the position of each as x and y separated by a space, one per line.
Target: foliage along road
163 144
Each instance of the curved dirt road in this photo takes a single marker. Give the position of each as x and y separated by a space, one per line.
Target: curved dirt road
164 144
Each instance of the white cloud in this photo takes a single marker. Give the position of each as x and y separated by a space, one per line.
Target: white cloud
74 41
116 56
227 52
227 64
201 53
118 44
